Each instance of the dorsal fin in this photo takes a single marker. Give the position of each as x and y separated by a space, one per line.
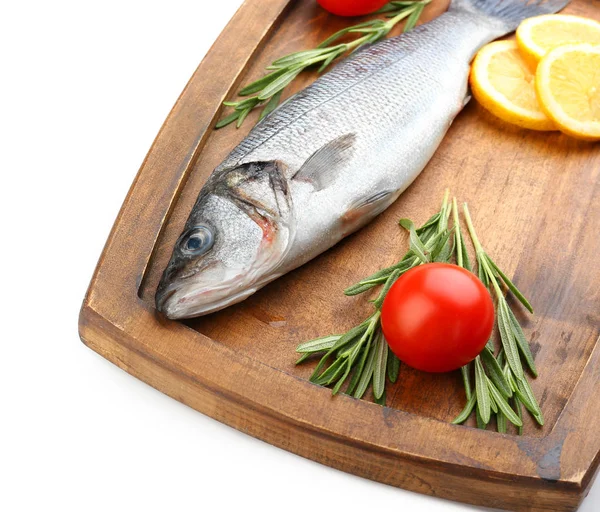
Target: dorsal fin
324 166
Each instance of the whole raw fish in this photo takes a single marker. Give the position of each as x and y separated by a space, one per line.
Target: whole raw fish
330 158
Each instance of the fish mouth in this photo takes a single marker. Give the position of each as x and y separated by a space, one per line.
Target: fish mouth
178 300
171 291
199 294
177 303
162 298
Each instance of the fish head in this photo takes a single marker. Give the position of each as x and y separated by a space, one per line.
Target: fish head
238 233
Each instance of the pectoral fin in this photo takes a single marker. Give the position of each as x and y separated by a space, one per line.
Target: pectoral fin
325 165
364 209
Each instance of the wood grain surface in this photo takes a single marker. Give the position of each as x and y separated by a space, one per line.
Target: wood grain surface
535 201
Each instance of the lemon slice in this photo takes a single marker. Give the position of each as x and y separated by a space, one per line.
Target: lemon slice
538 35
505 85
568 87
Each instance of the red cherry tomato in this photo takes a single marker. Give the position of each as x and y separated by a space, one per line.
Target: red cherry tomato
437 317
352 7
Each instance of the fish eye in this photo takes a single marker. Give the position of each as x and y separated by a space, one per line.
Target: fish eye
196 241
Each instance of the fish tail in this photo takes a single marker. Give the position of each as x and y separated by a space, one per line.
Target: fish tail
508 13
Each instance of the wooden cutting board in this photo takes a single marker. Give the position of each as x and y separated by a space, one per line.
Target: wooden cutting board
535 198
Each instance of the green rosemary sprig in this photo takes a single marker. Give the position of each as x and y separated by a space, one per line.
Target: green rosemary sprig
267 91
494 386
498 379
363 351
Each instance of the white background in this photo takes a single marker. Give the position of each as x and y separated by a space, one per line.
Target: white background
85 87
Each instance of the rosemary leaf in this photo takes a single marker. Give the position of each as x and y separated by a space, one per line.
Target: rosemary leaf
458 241
445 212
525 401
341 381
367 373
303 358
427 234
501 422
379 277
481 273
407 3
511 285
465 372
341 33
388 284
228 119
522 396
393 367
431 222
279 83
416 245
482 392
243 115
330 373
442 250
355 343
480 423
248 103
465 256
321 364
358 288
380 366
414 17
495 373
332 56
259 84
294 59
522 342
466 412
389 7
318 344
352 346
527 393
365 30
509 378
500 357
493 405
460 248
358 371
351 335
503 405
508 339
271 105
433 242
517 403
381 399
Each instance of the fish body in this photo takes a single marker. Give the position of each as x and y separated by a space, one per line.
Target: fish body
330 158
